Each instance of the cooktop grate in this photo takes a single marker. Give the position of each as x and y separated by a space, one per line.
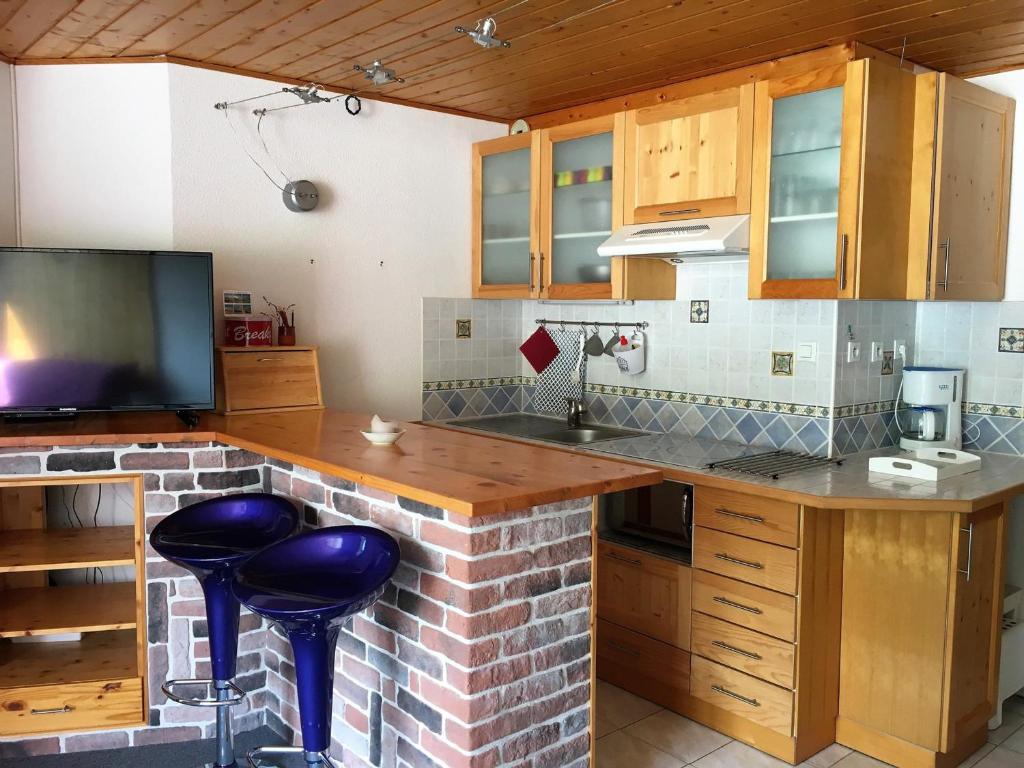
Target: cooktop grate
773 465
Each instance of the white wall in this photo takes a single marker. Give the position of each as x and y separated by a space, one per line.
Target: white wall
135 155
8 212
391 228
94 156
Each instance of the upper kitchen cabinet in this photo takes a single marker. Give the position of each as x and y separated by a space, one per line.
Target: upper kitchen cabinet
580 205
831 179
689 158
961 196
504 210
542 204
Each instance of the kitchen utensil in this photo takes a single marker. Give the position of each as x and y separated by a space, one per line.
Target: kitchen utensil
540 349
383 438
577 376
594 346
613 341
631 357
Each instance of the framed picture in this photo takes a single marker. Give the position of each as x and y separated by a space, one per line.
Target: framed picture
237 303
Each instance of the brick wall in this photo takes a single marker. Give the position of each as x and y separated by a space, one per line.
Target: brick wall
477 656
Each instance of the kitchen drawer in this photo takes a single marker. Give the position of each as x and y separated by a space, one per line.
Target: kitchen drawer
744 649
744 604
657 671
766 565
648 594
759 702
270 379
71 707
755 517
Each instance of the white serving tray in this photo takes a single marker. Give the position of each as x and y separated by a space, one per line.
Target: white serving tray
926 463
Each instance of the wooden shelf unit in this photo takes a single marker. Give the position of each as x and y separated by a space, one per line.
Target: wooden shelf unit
99 681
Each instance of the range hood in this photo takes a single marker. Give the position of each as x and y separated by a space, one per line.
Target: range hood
721 238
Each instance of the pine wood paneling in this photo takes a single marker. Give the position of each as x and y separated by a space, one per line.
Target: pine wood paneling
564 52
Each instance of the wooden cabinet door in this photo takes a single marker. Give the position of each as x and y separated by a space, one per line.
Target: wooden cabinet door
580 206
830 195
976 600
505 200
958 245
689 158
646 594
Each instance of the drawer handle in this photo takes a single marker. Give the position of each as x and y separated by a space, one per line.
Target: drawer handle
624 648
679 212
737 561
732 694
55 711
739 606
734 649
739 516
622 559
268 359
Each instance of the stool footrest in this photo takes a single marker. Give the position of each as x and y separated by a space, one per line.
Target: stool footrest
211 700
254 756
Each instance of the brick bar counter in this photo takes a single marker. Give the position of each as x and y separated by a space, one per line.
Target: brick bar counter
480 652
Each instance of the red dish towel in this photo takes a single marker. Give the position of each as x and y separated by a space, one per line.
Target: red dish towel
539 350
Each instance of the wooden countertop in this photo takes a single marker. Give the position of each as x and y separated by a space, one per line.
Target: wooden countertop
466 473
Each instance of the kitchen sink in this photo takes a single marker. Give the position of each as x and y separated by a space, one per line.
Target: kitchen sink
544 428
584 435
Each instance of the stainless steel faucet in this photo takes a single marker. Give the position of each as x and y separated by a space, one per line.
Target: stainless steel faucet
574 416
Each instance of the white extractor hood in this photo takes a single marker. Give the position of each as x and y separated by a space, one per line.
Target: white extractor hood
721 238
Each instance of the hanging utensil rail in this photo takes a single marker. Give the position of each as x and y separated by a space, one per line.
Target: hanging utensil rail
590 324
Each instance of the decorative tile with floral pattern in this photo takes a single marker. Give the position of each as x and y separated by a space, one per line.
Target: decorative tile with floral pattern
463 329
782 363
700 311
887 366
1011 339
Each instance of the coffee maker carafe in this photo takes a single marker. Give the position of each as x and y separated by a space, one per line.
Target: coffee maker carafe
933 398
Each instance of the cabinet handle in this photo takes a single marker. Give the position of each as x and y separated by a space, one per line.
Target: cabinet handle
680 212
738 606
738 515
944 284
540 273
844 246
268 359
533 259
731 694
733 649
623 559
737 561
55 711
625 649
969 530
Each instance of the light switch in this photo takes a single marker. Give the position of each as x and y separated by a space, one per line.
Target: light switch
900 349
853 352
808 351
876 351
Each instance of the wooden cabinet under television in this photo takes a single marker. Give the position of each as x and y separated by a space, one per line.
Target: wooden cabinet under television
95 682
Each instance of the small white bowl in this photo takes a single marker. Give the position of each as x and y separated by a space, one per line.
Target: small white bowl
383 438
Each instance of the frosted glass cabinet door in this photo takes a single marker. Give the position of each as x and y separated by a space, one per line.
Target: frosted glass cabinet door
803 195
505 255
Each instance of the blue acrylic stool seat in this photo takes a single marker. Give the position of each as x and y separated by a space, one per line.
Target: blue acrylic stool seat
309 584
211 539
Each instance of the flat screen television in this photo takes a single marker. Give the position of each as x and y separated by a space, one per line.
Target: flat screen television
105 330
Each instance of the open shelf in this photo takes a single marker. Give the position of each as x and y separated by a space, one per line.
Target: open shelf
61 548
97 656
74 608
804 217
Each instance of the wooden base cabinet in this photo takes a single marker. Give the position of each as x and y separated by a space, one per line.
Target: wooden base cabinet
922 600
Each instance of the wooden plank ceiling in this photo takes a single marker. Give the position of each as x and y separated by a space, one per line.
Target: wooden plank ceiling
564 52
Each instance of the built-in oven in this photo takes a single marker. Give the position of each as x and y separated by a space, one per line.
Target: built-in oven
657 519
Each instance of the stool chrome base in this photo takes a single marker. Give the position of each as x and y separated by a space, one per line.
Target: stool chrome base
222 694
312 759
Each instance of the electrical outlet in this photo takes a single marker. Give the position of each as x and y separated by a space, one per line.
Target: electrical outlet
853 352
899 348
876 351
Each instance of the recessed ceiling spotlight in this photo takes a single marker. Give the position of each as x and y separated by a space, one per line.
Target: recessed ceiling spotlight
378 73
483 34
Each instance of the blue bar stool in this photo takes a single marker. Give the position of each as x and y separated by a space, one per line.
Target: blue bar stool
211 539
309 584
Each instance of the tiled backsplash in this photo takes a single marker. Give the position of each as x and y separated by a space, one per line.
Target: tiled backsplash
710 360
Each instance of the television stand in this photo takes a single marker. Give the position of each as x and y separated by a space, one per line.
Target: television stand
190 418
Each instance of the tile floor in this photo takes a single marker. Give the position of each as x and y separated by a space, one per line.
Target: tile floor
635 733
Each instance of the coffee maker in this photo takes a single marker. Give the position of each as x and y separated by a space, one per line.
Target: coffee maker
933 398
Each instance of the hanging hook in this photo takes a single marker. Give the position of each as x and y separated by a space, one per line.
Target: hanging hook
562 326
